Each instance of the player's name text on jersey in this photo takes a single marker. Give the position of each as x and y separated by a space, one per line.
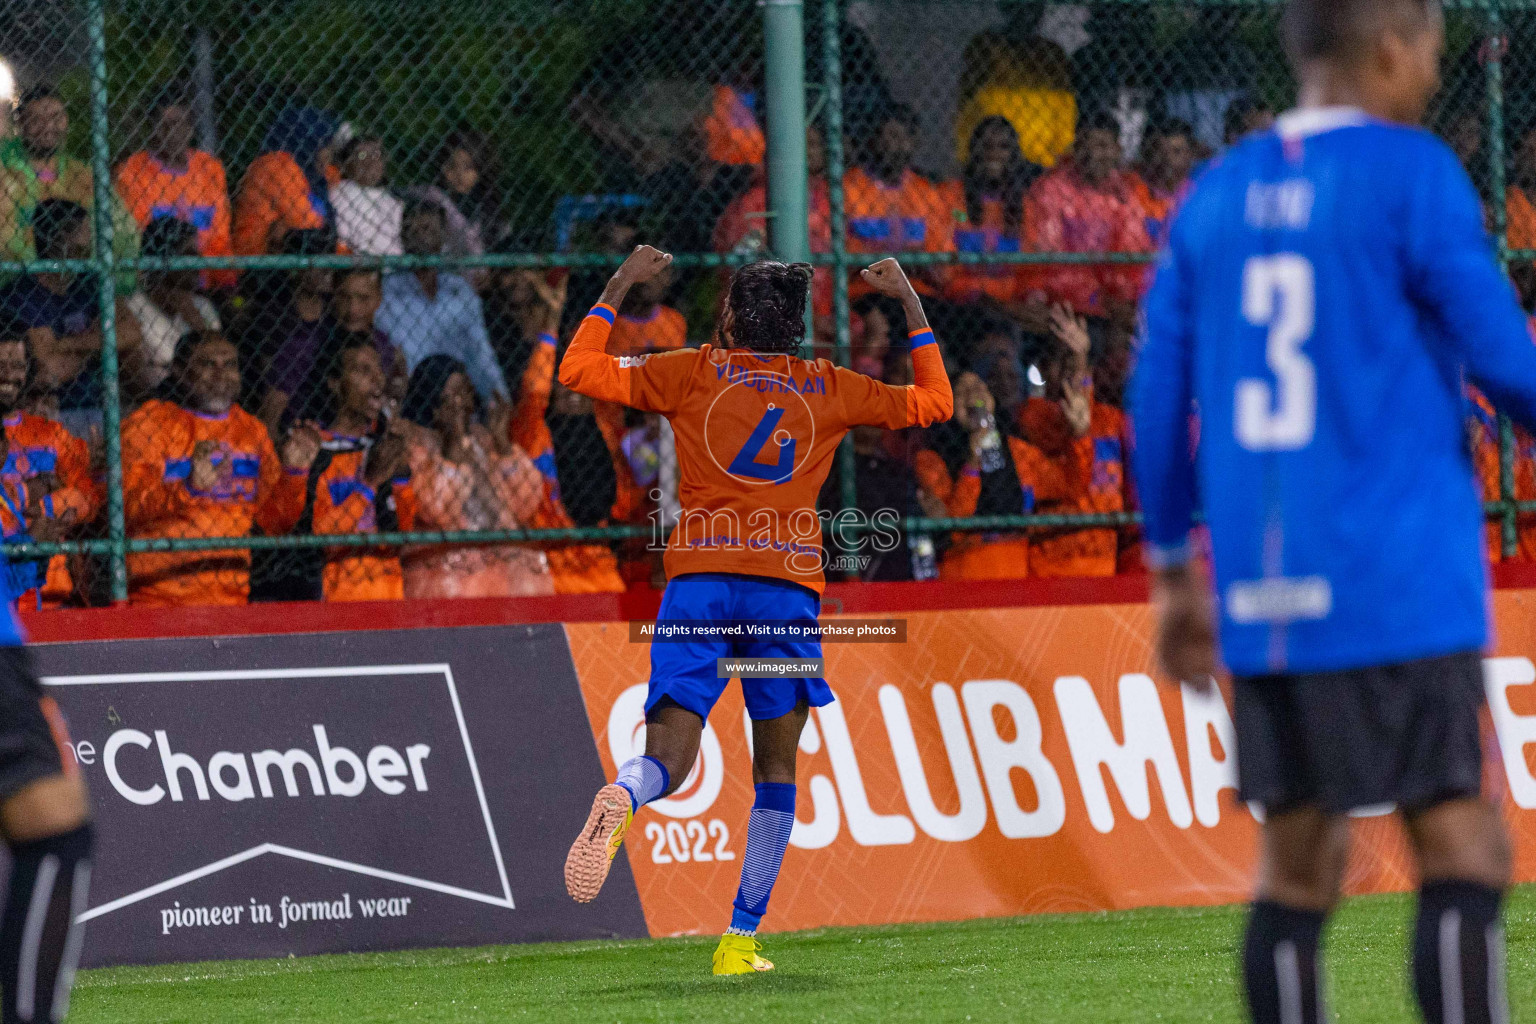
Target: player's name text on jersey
1283 205
769 381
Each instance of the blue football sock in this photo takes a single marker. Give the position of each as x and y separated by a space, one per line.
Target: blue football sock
773 816
646 779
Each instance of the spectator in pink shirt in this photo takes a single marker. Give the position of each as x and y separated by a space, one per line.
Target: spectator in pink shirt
1086 205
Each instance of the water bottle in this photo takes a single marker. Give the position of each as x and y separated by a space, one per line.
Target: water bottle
925 563
990 453
752 245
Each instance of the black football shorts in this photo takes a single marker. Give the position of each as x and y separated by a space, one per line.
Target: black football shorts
32 731
1407 734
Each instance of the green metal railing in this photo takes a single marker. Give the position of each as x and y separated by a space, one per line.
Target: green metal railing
786 31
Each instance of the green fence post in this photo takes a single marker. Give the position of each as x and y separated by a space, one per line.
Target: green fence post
101 198
832 73
788 190
1494 74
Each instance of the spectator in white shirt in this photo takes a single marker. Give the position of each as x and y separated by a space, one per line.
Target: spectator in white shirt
367 216
167 307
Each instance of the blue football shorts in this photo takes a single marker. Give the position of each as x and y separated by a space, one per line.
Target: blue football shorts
685 670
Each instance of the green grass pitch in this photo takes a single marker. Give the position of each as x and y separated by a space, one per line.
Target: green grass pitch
1139 966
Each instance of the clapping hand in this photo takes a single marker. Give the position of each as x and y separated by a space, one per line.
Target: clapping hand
302 445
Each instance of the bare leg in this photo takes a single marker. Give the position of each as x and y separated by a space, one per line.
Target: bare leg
48 807
1464 840
672 734
1303 853
775 745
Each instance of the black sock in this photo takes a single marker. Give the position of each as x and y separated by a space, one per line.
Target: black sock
39 939
1280 969
1458 954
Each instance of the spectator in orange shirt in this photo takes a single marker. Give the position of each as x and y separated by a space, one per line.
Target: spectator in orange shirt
286 187
744 225
1085 206
643 325
885 486
1086 436
989 208
1483 425
1111 369
731 132
359 482
974 465
468 477
1520 209
891 208
1168 157
47 464
172 179
523 315
195 464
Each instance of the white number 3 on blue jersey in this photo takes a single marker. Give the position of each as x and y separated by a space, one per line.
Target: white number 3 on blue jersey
1279 292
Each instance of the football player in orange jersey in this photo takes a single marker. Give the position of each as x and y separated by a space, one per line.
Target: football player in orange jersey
757 429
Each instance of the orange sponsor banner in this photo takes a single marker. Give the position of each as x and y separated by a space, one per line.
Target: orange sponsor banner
1001 761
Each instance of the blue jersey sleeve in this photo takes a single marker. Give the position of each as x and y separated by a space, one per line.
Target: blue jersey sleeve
1161 408
1455 279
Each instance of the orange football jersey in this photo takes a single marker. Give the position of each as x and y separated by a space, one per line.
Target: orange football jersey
41 447
756 434
160 501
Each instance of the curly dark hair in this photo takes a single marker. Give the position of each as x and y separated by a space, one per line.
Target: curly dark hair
765 310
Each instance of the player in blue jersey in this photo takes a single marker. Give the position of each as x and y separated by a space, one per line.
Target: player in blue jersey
1327 289
44 818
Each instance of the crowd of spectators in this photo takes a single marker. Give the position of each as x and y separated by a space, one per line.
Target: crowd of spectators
361 401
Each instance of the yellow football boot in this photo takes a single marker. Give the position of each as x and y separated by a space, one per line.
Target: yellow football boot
586 866
737 954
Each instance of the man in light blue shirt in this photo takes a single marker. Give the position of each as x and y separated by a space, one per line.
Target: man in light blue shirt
430 312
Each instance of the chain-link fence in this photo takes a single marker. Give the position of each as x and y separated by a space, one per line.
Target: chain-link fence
287 282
